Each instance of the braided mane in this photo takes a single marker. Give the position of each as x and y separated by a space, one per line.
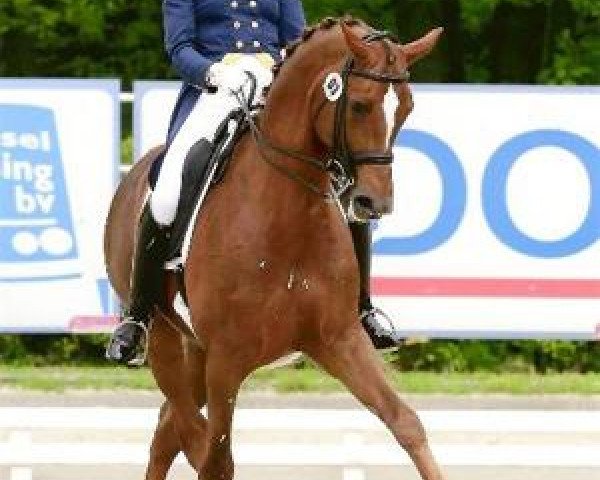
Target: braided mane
324 25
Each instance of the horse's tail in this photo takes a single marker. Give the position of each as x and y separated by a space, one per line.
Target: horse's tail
121 223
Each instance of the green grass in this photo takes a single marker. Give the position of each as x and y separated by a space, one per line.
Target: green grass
291 380
66 378
429 383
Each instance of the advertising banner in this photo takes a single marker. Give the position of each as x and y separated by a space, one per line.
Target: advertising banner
153 104
497 211
58 170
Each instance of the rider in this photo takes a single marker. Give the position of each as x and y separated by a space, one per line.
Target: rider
205 41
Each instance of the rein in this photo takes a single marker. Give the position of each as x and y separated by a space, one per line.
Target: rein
342 161
263 144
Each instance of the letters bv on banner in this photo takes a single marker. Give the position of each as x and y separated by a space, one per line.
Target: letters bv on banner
496 220
58 168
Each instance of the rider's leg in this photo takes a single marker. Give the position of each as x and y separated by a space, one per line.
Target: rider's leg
165 197
152 244
146 285
374 321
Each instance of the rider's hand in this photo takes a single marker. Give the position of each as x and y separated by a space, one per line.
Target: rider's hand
226 77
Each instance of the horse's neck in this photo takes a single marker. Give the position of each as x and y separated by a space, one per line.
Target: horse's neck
288 208
289 125
287 116
290 188
269 208
288 119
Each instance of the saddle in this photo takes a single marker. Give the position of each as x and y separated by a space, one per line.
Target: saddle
204 166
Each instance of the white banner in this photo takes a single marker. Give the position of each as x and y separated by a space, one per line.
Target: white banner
152 108
497 211
59 159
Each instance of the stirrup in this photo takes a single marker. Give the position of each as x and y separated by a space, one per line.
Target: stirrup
142 353
376 325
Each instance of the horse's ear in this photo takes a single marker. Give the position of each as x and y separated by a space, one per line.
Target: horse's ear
357 45
416 50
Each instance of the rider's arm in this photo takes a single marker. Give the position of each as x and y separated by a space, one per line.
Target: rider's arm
179 24
292 21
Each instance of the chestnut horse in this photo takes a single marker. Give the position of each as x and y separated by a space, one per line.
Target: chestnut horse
271 267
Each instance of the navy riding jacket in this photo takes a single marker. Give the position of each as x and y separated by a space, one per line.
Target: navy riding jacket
200 32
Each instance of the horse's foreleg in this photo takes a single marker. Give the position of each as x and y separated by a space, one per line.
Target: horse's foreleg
223 378
353 360
178 368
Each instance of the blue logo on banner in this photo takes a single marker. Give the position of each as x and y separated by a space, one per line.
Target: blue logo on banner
495 205
494 196
454 200
107 296
35 218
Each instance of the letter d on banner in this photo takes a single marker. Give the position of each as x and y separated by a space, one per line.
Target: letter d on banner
37 239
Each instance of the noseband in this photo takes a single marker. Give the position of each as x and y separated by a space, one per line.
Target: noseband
342 162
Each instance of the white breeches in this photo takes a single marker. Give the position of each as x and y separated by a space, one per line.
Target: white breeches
204 119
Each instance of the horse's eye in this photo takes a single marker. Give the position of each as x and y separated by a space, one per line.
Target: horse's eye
361 108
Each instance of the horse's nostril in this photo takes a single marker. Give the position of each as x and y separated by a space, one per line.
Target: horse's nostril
363 202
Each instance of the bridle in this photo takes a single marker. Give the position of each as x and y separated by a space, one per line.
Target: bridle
342 162
341 152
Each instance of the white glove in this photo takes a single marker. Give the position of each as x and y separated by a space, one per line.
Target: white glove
263 74
226 77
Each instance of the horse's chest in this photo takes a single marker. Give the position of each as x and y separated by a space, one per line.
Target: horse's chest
272 270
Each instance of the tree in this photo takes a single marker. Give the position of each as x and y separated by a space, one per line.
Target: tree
496 41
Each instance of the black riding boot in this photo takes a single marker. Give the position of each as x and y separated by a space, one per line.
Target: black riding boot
146 290
376 323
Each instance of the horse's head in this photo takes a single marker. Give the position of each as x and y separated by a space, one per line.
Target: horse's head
367 99
337 103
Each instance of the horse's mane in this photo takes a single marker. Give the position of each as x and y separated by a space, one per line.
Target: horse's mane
324 25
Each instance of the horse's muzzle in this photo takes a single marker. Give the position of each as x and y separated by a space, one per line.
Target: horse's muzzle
364 207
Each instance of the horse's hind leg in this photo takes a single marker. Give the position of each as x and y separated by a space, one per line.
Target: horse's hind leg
178 367
353 361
